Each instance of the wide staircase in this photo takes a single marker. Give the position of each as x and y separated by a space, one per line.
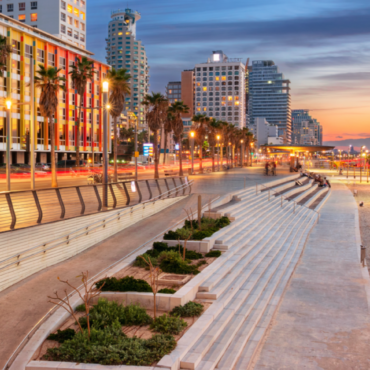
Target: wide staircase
260 251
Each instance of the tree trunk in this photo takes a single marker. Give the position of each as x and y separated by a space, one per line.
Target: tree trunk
200 158
181 173
221 155
213 159
156 159
54 182
115 179
78 138
165 147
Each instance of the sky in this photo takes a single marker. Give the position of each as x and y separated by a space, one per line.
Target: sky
321 46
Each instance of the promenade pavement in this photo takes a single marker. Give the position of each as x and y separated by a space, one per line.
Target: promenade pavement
25 303
323 321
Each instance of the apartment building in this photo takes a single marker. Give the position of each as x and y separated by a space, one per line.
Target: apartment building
62 18
269 97
124 50
306 130
173 91
220 89
49 51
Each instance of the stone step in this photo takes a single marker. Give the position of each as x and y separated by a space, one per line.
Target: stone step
240 353
249 314
248 251
201 346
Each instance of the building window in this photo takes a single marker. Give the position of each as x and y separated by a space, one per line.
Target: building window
22 18
33 17
22 6
51 59
62 28
40 55
83 26
63 5
69 32
28 51
82 16
63 17
10 7
69 20
76 12
33 4
77 25
70 9
63 113
62 63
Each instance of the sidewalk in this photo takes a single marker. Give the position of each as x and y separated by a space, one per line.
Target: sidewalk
323 321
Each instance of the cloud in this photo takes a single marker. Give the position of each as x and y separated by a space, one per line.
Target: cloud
360 134
339 137
354 76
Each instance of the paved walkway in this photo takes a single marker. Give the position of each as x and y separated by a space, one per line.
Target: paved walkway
323 321
25 303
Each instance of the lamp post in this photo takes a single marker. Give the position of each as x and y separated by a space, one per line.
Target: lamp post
241 153
192 134
252 145
105 143
218 157
8 103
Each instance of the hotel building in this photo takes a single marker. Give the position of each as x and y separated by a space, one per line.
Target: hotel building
65 19
124 50
49 51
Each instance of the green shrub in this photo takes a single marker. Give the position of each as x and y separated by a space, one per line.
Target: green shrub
160 247
170 235
214 253
190 309
126 284
62 335
110 346
139 262
191 255
202 234
201 263
172 262
81 308
222 222
167 291
107 313
168 325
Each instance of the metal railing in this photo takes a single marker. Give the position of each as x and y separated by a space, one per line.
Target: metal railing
100 274
286 198
19 209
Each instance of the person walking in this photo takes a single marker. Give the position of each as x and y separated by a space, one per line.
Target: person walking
267 168
273 168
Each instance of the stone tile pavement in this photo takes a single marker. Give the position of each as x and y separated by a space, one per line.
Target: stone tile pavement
323 321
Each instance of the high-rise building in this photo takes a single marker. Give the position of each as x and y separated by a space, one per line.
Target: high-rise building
187 91
306 130
269 97
220 89
173 91
62 18
49 51
124 50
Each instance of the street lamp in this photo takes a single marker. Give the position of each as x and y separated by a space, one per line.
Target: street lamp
105 143
8 104
218 157
241 152
192 134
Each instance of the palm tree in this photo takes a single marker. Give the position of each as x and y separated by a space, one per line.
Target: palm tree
5 51
156 112
200 122
167 129
48 81
177 109
213 130
119 87
81 72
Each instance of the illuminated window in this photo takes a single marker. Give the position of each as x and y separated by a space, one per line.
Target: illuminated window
198 104
229 98
70 9
76 23
127 33
198 109
217 78
204 109
198 83
22 17
224 98
223 78
120 33
236 98
222 103
236 103
82 16
76 12
204 88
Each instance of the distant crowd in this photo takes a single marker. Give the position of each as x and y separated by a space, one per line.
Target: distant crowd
270 167
322 181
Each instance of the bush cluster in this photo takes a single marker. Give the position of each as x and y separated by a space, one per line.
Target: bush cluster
167 291
62 335
168 324
214 253
208 227
190 309
126 284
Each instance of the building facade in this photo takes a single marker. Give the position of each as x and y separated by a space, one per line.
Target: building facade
306 130
124 50
188 92
49 51
264 132
269 97
219 89
65 19
173 91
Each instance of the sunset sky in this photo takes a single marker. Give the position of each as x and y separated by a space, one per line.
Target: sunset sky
322 46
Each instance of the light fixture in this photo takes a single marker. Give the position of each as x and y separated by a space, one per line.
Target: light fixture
108 106
218 137
192 133
8 103
105 86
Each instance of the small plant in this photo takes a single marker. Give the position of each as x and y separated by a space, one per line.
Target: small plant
168 325
126 284
106 313
190 309
62 335
214 253
172 262
192 255
81 308
167 291
139 262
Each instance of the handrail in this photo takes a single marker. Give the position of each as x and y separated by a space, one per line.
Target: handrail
91 280
81 231
282 196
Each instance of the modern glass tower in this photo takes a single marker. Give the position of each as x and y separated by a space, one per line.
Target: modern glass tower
124 50
269 97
